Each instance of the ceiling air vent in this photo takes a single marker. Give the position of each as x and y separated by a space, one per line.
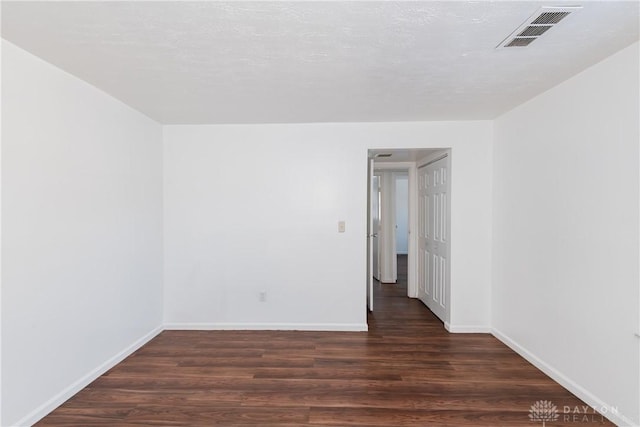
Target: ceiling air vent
520 42
550 17
537 24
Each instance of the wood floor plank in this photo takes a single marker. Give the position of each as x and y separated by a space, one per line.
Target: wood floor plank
406 370
218 415
418 417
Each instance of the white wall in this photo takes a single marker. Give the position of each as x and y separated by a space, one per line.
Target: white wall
402 214
250 208
81 221
566 232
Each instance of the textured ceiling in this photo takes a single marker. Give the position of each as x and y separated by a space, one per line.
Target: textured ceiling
262 62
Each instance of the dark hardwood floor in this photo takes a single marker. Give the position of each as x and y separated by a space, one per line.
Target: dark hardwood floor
406 371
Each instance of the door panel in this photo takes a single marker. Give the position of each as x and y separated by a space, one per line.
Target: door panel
375 226
387 258
371 244
433 243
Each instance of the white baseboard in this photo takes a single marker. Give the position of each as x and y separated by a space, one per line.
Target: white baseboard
467 329
560 378
85 380
358 327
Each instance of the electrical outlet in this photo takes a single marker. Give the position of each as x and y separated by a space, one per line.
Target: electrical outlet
263 296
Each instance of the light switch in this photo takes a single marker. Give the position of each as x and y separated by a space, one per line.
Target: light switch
341 226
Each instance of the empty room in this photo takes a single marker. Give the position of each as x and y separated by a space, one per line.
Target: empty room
326 213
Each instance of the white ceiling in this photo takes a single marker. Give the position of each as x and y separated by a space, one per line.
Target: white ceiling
279 62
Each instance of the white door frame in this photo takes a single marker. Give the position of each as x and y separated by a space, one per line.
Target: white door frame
411 169
370 233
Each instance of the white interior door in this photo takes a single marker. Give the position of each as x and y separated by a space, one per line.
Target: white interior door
433 239
372 194
375 225
387 229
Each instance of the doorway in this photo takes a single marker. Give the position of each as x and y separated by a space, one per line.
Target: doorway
401 187
390 212
401 224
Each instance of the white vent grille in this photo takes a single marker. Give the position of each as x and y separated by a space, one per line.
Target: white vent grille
534 31
550 17
537 24
520 42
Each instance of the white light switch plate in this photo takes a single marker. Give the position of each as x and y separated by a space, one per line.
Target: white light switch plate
341 226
